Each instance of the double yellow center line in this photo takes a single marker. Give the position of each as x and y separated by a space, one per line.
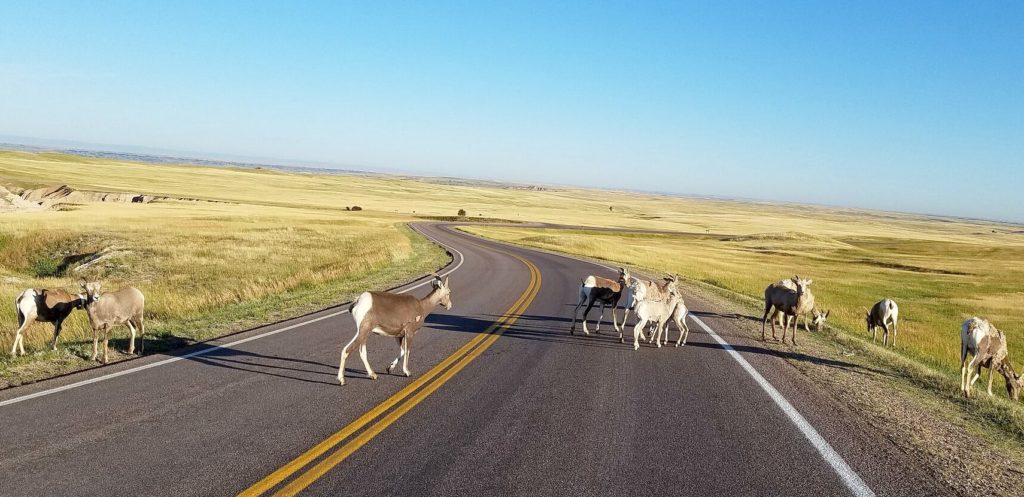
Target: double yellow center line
405 399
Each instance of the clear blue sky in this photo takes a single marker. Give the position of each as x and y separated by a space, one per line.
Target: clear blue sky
888 105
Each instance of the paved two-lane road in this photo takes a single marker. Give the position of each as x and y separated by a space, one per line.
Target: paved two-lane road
503 401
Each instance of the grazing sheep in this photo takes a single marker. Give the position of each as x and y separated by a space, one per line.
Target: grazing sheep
980 338
603 291
394 315
125 306
43 305
791 303
883 314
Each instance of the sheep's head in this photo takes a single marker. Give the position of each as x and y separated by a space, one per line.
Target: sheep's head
441 286
92 291
801 284
624 276
867 319
819 319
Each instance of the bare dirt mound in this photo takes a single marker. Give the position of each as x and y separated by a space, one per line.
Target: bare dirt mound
61 194
9 202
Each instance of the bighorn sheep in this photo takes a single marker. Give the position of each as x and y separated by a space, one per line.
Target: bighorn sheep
658 312
987 344
645 289
125 306
603 291
883 314
679 318
791 299
44 305
393 315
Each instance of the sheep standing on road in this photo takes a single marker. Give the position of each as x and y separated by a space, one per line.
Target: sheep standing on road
107 310
43 305
884 314
393 315
603 291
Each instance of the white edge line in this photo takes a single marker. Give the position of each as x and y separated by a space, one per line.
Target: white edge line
850 478
212 348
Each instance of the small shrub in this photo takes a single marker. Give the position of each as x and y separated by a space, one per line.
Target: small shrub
356 208
462 212
45 266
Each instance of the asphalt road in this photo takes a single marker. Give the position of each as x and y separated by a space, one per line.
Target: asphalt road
502 401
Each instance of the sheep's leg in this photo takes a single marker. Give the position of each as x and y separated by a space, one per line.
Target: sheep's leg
637 331
106 344
131 341
141 325
366 361
19 337
990 381
972 374
807 327
345 351
764 321
590 305
963 367
95 344
773 330
885 335
874 333
894 333
793 338
684 330
615 321
406 344
58 325
575 316
600 317
401 352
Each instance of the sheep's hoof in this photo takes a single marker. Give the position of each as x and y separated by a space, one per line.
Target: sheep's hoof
407 374
388 370
341 381
373 376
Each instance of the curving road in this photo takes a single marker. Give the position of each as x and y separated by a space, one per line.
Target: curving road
503 401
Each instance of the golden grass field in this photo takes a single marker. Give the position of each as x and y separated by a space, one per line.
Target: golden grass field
261 244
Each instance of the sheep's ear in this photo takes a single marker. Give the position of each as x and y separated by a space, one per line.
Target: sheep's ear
808 282
82 282
827 313
446 282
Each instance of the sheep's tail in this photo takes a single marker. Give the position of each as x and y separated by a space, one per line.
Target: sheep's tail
892 305
17 308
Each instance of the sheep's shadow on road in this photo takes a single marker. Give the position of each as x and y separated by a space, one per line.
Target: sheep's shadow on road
534 328
539 328
795 356
735 315
265 365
